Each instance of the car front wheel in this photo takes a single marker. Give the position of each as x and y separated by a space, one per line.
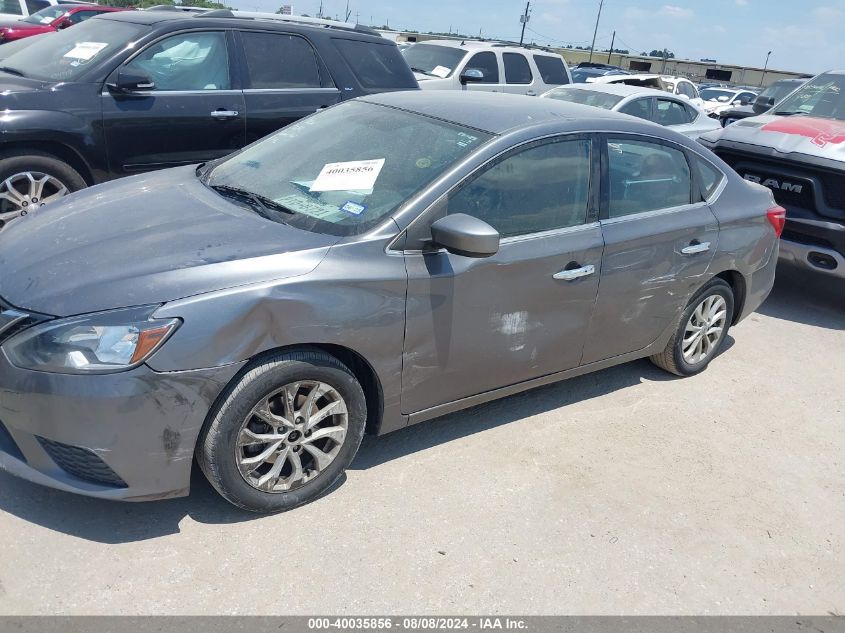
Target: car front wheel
701 331
284 432
31 180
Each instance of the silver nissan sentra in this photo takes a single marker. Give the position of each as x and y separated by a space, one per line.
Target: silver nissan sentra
375 265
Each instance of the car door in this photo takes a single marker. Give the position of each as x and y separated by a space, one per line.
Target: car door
519 78
659 237
193 112
488 63
476 324
284 81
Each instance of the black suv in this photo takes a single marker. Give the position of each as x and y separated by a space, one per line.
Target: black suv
134 91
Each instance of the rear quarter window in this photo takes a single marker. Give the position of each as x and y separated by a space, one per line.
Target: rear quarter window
551 69
377 66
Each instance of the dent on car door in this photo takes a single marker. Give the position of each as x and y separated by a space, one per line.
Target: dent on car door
659 237
193 113
476 324
284 81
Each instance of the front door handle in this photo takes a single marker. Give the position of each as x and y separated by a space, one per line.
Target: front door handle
531 93
575 273
224 114
696 247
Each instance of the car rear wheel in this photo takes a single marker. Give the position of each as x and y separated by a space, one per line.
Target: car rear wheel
31 180
284 433
701 331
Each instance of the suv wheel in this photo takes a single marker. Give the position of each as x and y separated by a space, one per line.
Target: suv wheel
31 180
701 331
284 433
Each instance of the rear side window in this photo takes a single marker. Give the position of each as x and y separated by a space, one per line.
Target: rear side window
640 108
485 62
12 7
517 70
551 69
276 60
671 112
709 178
645 177
377 66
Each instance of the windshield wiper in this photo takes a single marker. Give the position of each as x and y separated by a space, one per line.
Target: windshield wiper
423 72
260 203
12 71
788 112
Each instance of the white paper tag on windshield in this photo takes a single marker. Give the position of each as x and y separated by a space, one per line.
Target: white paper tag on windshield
85 50
440 71
354 175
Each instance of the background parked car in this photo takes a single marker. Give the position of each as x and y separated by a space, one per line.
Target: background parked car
763 102
170 89
14 9
52 18
672 111
717 100
795 149
674 85
263 312
486 66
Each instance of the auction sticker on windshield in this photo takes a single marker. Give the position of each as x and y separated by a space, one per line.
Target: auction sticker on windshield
440 71
355 175
85 50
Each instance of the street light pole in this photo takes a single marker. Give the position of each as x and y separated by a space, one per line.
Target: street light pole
598 17
765 68
524 19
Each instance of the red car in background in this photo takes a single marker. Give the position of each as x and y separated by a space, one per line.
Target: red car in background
51 18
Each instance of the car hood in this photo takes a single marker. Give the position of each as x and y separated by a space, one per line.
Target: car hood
145 240
786 134
12 20
25 27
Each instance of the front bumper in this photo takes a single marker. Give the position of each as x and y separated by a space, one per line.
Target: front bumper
127 436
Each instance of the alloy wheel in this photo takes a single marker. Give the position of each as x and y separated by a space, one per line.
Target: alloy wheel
704 329
291 436
27 190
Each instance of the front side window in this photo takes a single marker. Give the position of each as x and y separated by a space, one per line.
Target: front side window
551 70
687 89
517 70
539 189
344 170
487 63
276 60
670 113
640 108
67 54
645 176
188 61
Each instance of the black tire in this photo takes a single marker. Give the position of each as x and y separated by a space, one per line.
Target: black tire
672 358
18 162
216 446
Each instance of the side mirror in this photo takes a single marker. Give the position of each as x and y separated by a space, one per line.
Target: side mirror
762 104
465 235
128 82
471 76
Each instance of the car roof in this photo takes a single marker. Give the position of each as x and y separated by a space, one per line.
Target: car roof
621 90
491 112
480 44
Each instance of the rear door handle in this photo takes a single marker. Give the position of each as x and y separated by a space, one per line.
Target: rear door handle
531 93
575 273
696 247
224 114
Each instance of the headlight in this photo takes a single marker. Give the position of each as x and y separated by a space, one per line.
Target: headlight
101 343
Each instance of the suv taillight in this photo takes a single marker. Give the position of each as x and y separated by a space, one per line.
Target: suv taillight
777 216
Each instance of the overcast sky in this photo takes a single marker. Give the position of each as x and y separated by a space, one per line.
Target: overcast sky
803 35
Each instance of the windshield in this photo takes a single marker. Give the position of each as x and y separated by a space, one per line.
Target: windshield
584 97
778 91
45 16
67 54
820 97
343 170
713 94
581 75
430 59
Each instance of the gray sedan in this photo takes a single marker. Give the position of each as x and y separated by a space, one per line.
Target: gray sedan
378 264
676 112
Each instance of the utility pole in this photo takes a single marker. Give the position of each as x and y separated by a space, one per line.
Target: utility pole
593 45
357 21
612 42
665 55
320 12
348 12
524 19
765 68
